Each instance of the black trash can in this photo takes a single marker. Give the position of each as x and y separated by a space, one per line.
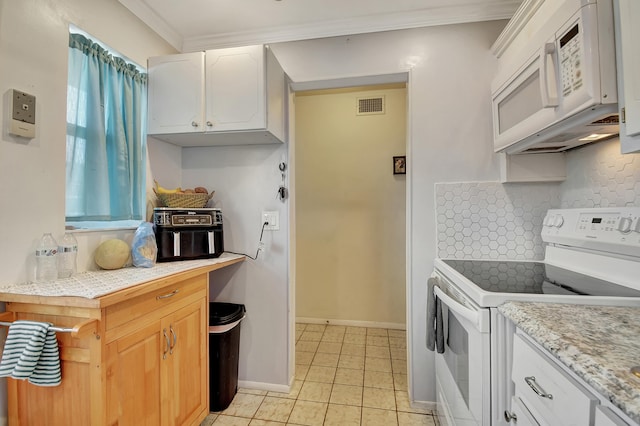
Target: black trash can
224 346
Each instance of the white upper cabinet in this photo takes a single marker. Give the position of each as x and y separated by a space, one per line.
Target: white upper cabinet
628 50
176 93
218 97
235 81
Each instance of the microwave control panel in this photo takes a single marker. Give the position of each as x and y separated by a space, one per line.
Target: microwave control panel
570 57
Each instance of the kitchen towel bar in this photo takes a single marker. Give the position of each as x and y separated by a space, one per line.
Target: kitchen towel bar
78 331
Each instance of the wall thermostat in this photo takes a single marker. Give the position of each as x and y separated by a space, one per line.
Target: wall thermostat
22 114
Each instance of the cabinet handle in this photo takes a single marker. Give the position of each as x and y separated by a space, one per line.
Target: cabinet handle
531 381
194 124
168 295
510 416
175 339
209 124
166 348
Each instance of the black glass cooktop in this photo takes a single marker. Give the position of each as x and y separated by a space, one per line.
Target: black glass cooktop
535 278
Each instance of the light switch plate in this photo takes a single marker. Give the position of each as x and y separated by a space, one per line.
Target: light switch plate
22 114
273 218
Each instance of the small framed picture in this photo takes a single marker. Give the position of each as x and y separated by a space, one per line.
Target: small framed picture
400 165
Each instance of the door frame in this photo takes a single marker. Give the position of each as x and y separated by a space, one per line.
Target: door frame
367 80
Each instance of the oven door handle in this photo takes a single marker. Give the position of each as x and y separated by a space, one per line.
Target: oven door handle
473 316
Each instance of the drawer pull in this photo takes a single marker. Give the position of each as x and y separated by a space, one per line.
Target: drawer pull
531 381
168 295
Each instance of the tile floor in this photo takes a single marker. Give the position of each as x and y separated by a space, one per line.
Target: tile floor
344 376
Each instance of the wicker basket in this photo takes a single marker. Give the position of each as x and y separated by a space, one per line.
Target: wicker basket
197 200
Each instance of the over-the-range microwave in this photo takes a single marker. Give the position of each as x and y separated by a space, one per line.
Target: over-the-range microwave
556 83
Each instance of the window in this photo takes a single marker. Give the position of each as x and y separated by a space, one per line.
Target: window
106 137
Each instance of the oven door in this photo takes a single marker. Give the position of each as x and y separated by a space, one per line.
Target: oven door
463 370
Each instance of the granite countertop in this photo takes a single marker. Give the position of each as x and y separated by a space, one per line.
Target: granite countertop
93 284
599 343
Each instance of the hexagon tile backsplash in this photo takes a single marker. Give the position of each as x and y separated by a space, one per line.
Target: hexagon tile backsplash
489 220
599 176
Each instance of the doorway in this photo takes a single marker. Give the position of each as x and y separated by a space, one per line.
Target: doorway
350 206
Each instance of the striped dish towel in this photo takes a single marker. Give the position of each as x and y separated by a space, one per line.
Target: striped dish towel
31 352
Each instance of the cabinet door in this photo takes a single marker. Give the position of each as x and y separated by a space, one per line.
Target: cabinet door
521 416
175 94
235 89
628 16
133 378
185 370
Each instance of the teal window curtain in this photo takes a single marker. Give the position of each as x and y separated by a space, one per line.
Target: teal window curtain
106 136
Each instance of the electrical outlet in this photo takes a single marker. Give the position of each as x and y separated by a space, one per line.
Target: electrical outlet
273 220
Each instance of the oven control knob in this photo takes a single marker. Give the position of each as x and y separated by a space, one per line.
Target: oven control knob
624 225
635 225
547 220
558 221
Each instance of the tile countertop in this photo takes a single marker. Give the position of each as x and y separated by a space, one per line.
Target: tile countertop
599 343
93 284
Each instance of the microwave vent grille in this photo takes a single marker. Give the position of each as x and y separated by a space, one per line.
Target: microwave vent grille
611 119
370 105
550 148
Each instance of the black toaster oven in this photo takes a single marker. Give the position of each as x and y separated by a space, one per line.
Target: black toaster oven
185 234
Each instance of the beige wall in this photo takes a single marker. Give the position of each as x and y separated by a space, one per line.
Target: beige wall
350 207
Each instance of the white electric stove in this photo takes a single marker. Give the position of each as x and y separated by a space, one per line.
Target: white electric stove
592 256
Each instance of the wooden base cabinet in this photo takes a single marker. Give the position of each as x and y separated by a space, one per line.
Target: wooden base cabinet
164 361
144 362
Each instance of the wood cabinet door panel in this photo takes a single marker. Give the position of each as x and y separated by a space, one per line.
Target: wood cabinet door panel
185 370
133 378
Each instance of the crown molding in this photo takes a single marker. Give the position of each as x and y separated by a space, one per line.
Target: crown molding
147 15
403 20
445 15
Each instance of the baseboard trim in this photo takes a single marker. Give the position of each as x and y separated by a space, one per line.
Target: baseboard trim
425 405
269 387
351 323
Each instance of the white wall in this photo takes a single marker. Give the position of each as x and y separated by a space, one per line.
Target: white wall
34 42
246 180
166 162
33 58
449 132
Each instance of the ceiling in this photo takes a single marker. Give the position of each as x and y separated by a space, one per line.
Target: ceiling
191 25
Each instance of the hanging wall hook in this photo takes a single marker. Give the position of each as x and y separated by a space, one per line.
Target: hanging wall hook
282 190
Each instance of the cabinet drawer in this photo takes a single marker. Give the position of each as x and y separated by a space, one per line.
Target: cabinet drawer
606 417
559 400
156 303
